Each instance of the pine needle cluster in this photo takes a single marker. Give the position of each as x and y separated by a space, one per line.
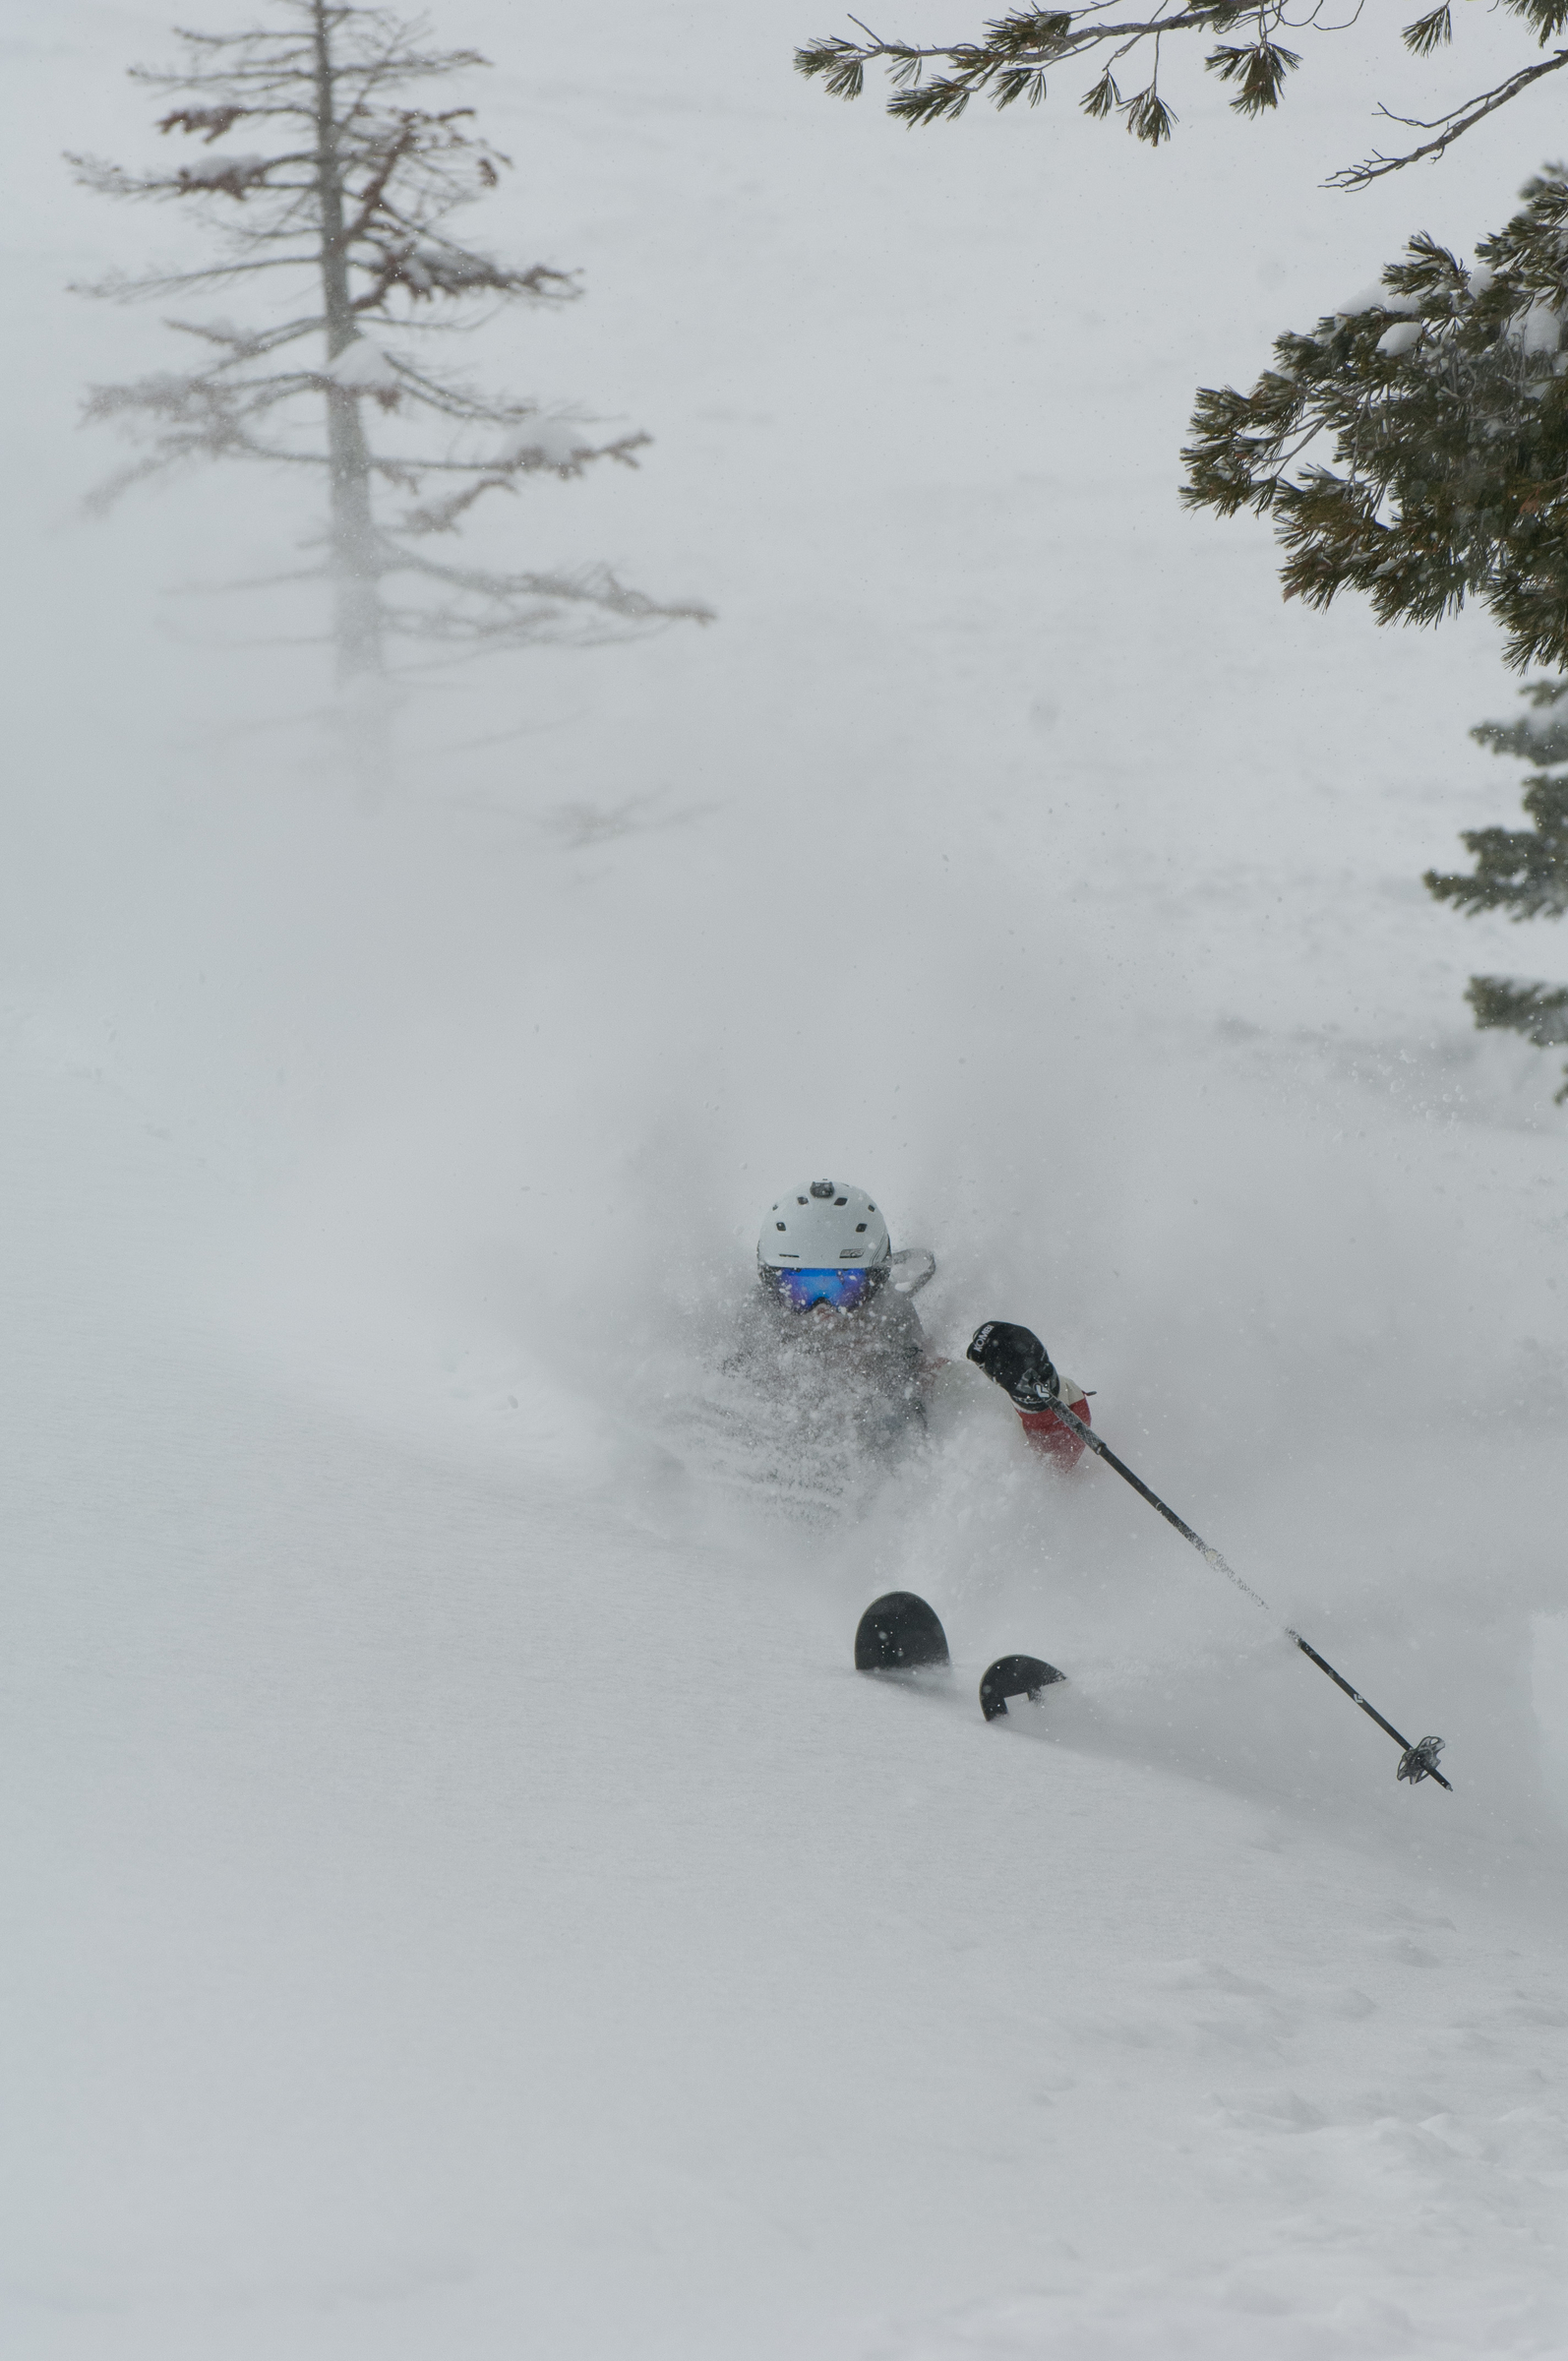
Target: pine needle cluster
1522 871
1012 55
1439 403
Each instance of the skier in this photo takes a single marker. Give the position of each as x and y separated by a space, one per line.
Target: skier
834 1295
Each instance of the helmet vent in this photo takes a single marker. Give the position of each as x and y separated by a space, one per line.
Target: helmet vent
859 1226
841 1200
779 1225
822 1188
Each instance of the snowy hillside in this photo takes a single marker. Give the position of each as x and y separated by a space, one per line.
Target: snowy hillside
461 1901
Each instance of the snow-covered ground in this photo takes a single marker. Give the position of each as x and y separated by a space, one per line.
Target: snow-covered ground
461 1903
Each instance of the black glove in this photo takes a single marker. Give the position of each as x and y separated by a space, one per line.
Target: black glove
1016 1360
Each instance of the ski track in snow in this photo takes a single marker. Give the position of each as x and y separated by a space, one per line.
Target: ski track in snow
460 1899
453 1905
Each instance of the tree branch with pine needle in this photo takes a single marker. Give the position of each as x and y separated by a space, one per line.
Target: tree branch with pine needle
1011 57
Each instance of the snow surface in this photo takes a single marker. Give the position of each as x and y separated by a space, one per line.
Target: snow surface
461 1901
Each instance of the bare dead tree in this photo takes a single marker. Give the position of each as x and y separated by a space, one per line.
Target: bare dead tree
355 195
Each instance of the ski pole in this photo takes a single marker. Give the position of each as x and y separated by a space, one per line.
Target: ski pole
1417 1762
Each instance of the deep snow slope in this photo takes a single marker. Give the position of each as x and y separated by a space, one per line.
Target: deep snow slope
460 1899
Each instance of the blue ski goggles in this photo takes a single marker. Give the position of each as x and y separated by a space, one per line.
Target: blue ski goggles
845 1290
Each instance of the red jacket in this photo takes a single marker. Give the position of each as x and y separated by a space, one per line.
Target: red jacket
1051 1435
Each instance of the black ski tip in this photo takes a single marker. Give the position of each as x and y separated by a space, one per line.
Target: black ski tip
899 1633
1014 1676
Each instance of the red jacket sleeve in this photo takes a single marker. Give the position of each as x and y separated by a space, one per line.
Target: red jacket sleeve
1051 1436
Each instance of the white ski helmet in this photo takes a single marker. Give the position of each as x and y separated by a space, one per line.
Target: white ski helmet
824 1224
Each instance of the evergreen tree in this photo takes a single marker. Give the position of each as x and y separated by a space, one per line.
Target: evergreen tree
355 194
1013 57
1521 871
1443 395
1414 446
1440 391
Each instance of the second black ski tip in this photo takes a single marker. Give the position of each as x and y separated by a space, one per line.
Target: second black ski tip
1015 1677
899 1633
